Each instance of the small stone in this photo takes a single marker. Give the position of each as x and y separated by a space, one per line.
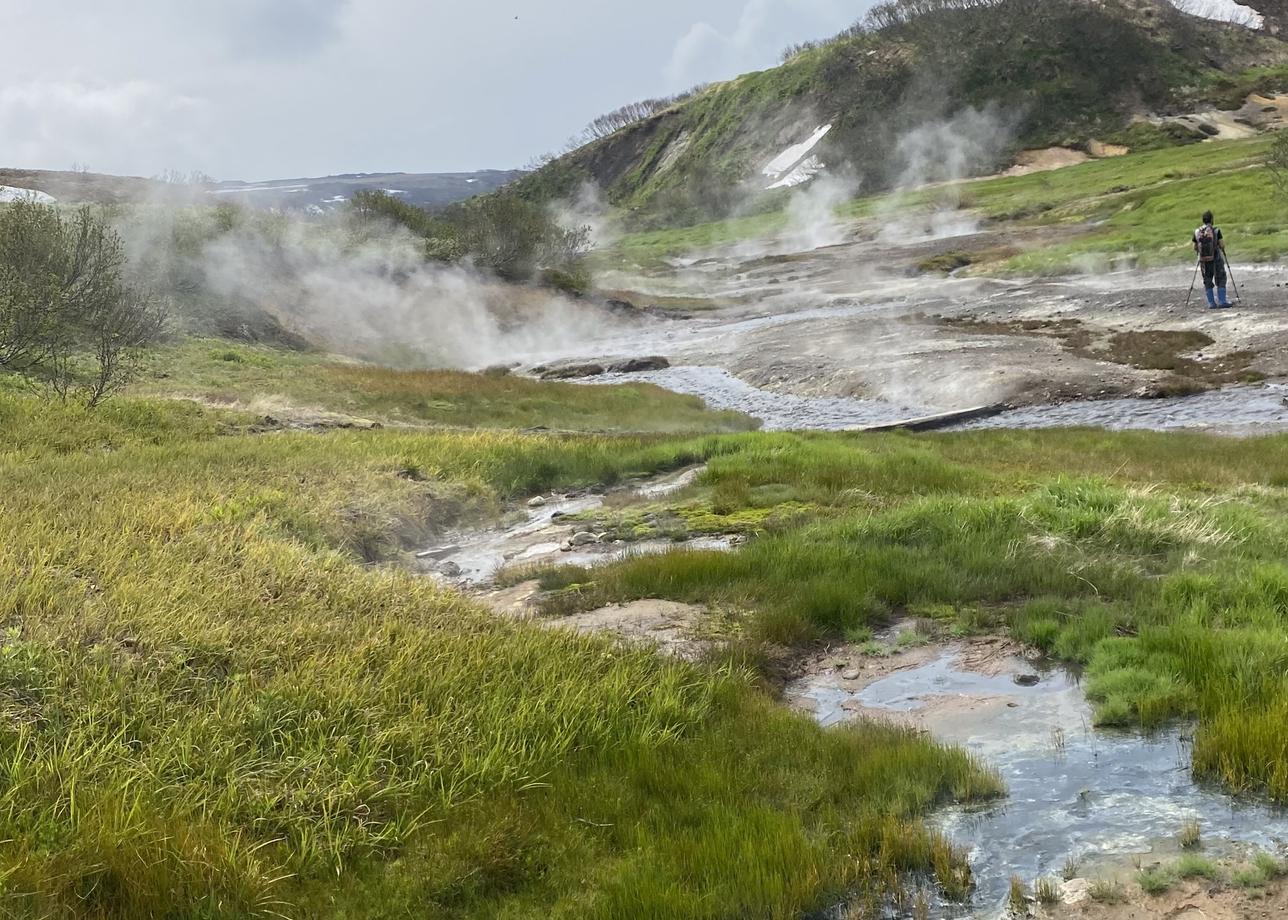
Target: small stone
537 502
1027 680
851 674
450 569
584 538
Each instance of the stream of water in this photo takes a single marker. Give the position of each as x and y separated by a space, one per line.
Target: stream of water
1257 409
1074 793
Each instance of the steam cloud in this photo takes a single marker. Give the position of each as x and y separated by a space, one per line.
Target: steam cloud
944 152
367 292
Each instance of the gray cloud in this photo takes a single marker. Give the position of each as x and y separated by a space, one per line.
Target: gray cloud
274 88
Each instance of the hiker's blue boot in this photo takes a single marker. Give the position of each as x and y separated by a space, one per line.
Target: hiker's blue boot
1211 296
1223 302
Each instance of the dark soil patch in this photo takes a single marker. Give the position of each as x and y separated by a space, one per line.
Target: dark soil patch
1178 351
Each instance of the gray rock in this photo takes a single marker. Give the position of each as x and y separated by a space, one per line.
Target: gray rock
584 538
572 371
636 365
851 674
450 569
1027 680
537 502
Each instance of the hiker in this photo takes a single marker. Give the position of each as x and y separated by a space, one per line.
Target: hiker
1210 248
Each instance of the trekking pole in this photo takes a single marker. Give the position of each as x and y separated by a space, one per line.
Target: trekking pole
1238 298
1194 281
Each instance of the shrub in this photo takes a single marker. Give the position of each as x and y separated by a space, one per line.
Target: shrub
67 318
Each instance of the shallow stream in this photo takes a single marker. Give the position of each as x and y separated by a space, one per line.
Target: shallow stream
1257 409
1093 797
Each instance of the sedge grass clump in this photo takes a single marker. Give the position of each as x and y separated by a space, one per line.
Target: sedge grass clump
1262 869
1156 880
1192 865
1106 891
1046 891
1190 836
1017 898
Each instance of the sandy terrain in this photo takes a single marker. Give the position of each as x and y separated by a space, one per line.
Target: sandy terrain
1186 901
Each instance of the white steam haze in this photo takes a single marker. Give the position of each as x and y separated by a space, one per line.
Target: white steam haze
370 293
942 153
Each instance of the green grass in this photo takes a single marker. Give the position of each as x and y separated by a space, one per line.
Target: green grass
1155 560
1106 891
215 702
1138 209
282 383
1156 880
1260 871
1191 866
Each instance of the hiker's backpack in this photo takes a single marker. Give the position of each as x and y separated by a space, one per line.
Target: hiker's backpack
1207 243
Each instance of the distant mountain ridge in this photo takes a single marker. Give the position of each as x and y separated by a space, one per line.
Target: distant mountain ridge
426 190
309 195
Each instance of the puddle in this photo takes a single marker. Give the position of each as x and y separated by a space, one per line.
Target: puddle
471 558
1073 791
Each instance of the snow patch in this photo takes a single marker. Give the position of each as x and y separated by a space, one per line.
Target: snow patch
8 194
1222 11
796 163
806 170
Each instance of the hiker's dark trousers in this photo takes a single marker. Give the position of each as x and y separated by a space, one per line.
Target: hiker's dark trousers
1214 273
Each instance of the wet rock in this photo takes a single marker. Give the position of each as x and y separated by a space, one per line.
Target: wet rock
1027 680
570 371
439 553
583 538
450 569
538 501
636 365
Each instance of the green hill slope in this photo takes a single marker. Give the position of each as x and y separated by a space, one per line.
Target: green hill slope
1045 73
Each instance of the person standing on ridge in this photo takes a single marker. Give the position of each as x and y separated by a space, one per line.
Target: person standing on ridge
1209 246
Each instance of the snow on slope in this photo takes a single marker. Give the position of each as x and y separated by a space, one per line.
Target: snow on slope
795 166
8 193
1222 11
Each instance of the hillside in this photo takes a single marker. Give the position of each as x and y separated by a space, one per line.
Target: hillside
940 93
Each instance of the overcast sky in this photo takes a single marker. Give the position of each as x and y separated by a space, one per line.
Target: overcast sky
256 89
